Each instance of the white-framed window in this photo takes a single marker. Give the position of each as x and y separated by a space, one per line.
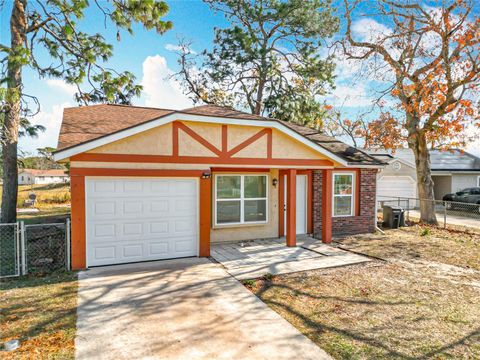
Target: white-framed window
343 194
241 199
478 181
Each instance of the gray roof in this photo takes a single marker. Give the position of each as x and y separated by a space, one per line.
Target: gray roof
441 160
352 155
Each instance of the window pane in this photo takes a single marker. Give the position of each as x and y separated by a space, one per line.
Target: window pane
228 212
342 184
228 187
342 205
255 210
255 186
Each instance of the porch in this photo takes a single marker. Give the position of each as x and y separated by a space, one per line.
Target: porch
253 259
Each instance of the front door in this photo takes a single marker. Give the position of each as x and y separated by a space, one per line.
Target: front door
301 211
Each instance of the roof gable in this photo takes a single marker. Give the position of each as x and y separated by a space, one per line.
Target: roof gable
85 128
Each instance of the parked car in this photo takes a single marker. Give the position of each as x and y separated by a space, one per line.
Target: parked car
467 196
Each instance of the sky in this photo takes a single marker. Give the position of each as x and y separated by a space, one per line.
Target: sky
152 59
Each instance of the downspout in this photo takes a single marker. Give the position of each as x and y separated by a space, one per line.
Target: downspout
376 207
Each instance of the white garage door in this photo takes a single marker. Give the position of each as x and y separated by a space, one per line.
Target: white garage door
138 219
396 186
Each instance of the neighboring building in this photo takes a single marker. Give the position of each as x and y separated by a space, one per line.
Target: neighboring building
452 171
35 176
150 184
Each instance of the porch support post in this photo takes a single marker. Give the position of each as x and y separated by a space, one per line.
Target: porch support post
292 207
327 194
78 245
205 216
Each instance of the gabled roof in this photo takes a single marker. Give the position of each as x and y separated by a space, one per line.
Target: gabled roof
39 172
455 160
81 125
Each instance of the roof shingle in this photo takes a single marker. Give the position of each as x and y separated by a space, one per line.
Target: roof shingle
83 124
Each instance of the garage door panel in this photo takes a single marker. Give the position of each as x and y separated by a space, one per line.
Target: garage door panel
396 186
143 219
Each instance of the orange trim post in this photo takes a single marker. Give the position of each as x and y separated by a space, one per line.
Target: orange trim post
281 203
291 207
205 216
327 195
77 187
357 192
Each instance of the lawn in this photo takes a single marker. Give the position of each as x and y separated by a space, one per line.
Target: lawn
52 202
41 312
422 302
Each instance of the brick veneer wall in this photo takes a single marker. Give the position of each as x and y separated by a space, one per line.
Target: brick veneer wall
363 223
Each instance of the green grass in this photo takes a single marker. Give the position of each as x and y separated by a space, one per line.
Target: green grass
41 313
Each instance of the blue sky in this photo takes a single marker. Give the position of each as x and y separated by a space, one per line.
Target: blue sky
147 55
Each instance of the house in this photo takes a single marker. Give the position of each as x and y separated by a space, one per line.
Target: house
151 184
452 171
35 176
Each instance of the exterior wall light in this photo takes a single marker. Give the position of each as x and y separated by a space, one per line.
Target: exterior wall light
206 175
275 182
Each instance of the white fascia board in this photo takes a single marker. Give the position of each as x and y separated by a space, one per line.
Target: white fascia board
65 154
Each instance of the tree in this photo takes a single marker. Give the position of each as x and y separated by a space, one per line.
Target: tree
48 38
433 57
267 61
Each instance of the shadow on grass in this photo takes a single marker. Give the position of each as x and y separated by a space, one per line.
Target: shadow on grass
315 328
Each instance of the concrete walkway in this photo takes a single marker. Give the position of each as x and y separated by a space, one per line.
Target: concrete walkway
253 259
179 309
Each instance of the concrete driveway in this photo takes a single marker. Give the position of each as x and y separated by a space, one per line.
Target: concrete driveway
179 309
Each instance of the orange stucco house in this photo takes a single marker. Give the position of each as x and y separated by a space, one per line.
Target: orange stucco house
151 184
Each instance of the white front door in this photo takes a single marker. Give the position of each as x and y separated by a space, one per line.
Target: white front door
301 205
139 219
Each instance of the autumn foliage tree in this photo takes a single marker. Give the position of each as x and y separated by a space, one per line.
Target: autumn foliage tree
432 53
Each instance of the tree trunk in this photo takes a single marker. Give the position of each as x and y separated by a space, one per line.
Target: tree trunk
424 179
18 27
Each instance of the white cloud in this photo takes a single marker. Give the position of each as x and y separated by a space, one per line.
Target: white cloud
350 96
159 89
178 48
61 85
474 146
369 30
51 120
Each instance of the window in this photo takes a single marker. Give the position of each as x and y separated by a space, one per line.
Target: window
478 181
240 199
343 190
22 178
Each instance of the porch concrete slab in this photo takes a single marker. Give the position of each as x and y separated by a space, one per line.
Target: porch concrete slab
254 259
179 309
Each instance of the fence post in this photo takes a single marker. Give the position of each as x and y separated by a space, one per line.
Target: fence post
23 247
444 214
67 237
17 246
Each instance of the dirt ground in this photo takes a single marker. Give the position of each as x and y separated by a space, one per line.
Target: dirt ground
423 302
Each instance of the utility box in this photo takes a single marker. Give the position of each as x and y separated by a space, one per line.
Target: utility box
393 216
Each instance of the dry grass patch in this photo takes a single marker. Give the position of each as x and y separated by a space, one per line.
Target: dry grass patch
422 303
382 310
41 312
452 247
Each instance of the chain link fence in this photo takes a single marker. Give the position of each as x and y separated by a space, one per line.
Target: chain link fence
34 248
447 212
10 250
